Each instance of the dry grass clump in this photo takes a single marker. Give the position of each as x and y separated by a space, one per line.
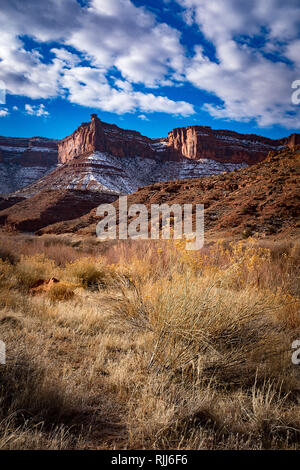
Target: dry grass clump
35 410
6 273
61 291
61 249
87 272
219 371
150 346
30 269
93 273
201 327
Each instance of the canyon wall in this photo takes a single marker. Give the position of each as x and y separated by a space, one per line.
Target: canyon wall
34 151
293 140
107 138
197 142
24 160
192 142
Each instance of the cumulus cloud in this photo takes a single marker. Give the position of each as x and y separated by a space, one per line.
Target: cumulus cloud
256 58
36 110
115 56
4 112
89 86
111 36
24 72
116 33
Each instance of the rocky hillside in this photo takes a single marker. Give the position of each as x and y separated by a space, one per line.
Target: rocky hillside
48 207
102 172
263 199
23 161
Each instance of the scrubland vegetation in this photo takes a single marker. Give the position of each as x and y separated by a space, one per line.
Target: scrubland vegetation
143 345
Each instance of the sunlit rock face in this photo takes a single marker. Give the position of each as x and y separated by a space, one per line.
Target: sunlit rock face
198 142
193 142
108 138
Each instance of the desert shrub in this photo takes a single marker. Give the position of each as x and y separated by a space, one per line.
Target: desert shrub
205 328
61 291
88 273
30 269
7 275
247 232
7 254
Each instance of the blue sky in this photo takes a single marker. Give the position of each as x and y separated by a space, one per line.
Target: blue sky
149 65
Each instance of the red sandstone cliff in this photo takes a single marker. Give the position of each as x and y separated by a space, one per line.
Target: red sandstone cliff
99 136
128 155
198 142
193 142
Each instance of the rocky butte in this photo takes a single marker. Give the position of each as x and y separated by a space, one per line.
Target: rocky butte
192 142
107 138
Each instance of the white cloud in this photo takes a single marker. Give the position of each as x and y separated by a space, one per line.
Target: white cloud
23 72
111 55
36 110
4 112
249 82
116 33
143 117
67 58
292 52
112 36
89 86
51 20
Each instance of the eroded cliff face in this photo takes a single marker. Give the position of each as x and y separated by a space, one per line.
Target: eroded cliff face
34 151
108 138
197 142
23 161
193 142
261 200
292 140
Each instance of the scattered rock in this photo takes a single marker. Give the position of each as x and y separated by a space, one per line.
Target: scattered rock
41 286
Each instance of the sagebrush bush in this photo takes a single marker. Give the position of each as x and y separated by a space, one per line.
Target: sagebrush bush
198 325
30 269
88 272
61 291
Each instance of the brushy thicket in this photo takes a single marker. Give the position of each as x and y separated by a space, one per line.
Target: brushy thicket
147 345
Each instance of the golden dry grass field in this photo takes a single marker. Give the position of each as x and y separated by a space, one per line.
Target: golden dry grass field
143 345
